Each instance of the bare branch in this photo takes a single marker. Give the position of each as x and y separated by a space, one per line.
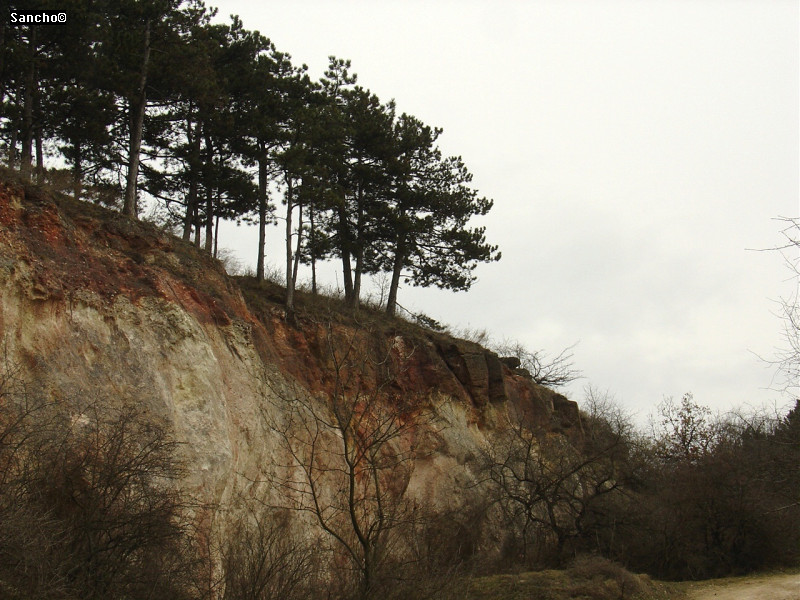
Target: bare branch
555 372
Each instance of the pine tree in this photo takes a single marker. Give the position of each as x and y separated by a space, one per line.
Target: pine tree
81 105
138 37
259 98
197 130
431 242
292 160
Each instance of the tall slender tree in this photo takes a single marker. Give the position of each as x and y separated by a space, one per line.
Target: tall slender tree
431 242
293 161
369 146
358 144
137 35
81 103
260 99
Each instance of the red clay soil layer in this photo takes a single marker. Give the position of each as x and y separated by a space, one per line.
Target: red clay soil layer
75 250
74 247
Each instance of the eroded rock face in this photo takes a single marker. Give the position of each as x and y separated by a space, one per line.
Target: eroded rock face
94 306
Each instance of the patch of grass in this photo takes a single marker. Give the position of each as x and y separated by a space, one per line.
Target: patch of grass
589 578
268 296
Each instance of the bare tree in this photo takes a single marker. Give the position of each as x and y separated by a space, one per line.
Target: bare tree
28 568
684 432
788 359
350 453
115 477
546 483
555 372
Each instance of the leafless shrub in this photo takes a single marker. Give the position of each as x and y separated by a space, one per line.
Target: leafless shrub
349 456
381 282
788 359
547 485
556 371
554 491
602 579
89 501
232 264
265 558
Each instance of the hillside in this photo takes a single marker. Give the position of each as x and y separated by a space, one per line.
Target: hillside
95 308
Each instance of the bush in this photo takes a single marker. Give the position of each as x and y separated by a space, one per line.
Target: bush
598 577
706 497
90 505
264 558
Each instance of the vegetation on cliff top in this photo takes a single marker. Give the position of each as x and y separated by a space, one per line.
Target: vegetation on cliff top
151 100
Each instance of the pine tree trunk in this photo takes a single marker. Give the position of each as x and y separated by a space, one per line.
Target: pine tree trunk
12 148
191 209
191 197
77 173
355 299
209 194
289 282
39 155
2 55
216 234
344 242
299 244
313 254
27 106
397 269
262 214
137 111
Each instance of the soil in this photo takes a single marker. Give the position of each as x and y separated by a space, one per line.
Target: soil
763 587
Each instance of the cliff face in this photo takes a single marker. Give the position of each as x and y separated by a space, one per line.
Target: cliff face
98 308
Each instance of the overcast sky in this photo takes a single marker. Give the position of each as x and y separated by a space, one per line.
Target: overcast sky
635 151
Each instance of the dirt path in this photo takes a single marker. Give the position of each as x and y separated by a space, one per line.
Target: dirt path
762 587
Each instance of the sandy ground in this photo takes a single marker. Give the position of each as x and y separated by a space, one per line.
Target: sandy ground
767 587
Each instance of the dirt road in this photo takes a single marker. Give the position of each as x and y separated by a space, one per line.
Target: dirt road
762 587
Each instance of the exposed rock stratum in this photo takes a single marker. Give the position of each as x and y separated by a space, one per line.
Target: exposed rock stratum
97 307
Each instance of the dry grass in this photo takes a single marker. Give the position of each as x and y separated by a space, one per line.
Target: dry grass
589 578
268 296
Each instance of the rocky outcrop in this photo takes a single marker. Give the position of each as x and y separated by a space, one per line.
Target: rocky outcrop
94 306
